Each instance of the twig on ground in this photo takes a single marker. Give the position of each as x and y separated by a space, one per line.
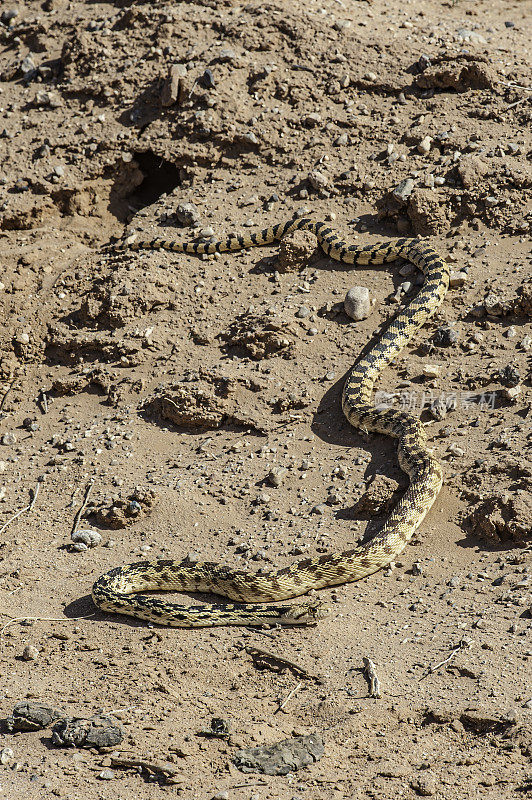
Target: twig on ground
44 401
283 662
521 100
162 769
29 507
73 498
125 708
290 695
463 644
82 508
13 620
4 398
371 674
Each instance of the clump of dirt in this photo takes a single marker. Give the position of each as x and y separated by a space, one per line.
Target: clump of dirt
261 336
379 498
121 512
504 517
206 400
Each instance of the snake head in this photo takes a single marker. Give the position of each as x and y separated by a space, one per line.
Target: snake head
305 613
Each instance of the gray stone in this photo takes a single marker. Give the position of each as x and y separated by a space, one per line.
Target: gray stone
31 716
281 758
97 731
404 189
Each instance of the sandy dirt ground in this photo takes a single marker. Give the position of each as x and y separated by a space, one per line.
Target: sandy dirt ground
198 398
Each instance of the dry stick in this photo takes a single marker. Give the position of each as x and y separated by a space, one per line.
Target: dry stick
284 662
521 100
82 508
462 645
4 398
40 619
289 696
246 785
371 674
168 771
29 507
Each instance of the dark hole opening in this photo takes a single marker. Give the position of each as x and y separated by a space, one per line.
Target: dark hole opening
160 177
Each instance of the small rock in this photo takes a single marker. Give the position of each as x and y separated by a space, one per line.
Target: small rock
341 140
30 653
431 370
9 438
510 332
248 137
296 251
457 279
6 755
357 303
106 775
8 15
187 214
207 79
227 54
303 312
404 189
425 785
512 392
276 476
173 89
312 119
317 180
526 343
425 145
455 450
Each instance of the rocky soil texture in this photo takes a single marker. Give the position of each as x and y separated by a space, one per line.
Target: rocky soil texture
190 406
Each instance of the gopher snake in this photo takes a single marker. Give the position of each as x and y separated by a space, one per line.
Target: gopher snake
117 590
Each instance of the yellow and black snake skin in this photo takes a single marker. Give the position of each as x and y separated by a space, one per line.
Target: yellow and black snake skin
118 589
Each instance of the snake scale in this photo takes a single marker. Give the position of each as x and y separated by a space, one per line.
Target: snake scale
118 590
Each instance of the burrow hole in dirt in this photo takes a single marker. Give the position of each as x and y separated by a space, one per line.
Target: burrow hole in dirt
157 177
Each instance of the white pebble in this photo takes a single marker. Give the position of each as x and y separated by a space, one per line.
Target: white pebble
512 392
455 450
431 370
425 145
6 755
357 303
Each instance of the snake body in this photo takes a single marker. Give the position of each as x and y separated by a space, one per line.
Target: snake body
118 589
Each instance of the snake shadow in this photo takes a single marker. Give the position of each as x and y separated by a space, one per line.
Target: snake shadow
331 426
84 607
